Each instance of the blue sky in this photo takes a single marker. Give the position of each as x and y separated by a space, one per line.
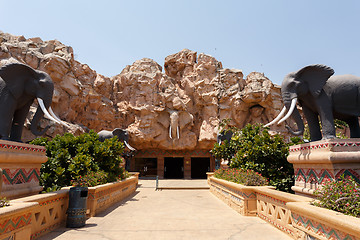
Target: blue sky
270 36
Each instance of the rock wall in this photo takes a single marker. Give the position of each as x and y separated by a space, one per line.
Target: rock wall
178 108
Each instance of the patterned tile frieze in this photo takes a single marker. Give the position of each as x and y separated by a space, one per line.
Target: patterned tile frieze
349 172
56 200
279 226
23 148
160 152
324 145
272 199
20 175
11 224
308 147
321 175
313 175
319 230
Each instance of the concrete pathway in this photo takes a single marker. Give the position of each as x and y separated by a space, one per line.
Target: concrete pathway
170 214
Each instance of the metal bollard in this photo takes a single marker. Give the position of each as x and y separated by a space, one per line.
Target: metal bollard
76 213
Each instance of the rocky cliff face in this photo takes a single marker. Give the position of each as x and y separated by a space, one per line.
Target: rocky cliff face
178 108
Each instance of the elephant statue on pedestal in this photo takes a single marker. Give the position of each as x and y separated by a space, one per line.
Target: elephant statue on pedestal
121 134
224 135
19 86
321 95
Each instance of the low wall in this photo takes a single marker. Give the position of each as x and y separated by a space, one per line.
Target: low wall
31 217
292 214
103 196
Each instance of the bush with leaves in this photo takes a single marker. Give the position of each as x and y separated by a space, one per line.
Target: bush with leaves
241 176
71 156
253 147
342 195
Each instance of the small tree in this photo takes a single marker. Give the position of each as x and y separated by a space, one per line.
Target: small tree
254 148
70 157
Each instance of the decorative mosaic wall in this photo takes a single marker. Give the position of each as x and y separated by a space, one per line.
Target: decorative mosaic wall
319 230
12 224
20 175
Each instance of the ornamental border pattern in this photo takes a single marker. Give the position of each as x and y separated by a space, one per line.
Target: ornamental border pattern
319 229
324 145
278 201
20 175
279 226
23 148
53 201
311 175
15 223
161 152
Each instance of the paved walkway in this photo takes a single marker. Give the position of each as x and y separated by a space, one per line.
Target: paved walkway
170 214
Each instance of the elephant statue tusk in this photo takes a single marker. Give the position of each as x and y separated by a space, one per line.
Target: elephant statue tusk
61 121
129 147
47 114
292 107
277 118
177 131
170 132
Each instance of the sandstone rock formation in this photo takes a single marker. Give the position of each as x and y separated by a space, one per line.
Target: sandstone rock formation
178 108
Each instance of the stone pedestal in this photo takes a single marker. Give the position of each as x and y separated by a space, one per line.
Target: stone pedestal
316 162
20 164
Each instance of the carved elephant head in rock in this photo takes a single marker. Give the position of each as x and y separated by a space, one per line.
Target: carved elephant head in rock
19 86
121 134
321 95
175 121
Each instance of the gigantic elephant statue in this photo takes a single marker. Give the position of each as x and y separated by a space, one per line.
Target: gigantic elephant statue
224 135
122 135
19 86
321 95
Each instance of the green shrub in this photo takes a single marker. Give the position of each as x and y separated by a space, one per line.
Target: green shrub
254 148
241 176
70 157
342 195
90 180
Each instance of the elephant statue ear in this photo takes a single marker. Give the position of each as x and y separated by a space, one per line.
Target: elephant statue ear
14 76
118 132
315 76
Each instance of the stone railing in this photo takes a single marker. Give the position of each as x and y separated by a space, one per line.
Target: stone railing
103 196
33 216
292 214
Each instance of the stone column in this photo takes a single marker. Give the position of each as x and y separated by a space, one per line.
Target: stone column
160 167
187 167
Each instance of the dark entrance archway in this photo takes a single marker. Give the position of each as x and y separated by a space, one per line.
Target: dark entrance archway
147 167
199 167
174 167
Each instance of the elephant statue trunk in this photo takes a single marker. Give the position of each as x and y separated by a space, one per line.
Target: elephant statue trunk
174 125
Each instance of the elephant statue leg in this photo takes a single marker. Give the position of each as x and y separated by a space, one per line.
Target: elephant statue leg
313 123
6 119
18 122
354 127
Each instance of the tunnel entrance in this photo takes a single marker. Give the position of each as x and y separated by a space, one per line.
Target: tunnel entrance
199 167
174 167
